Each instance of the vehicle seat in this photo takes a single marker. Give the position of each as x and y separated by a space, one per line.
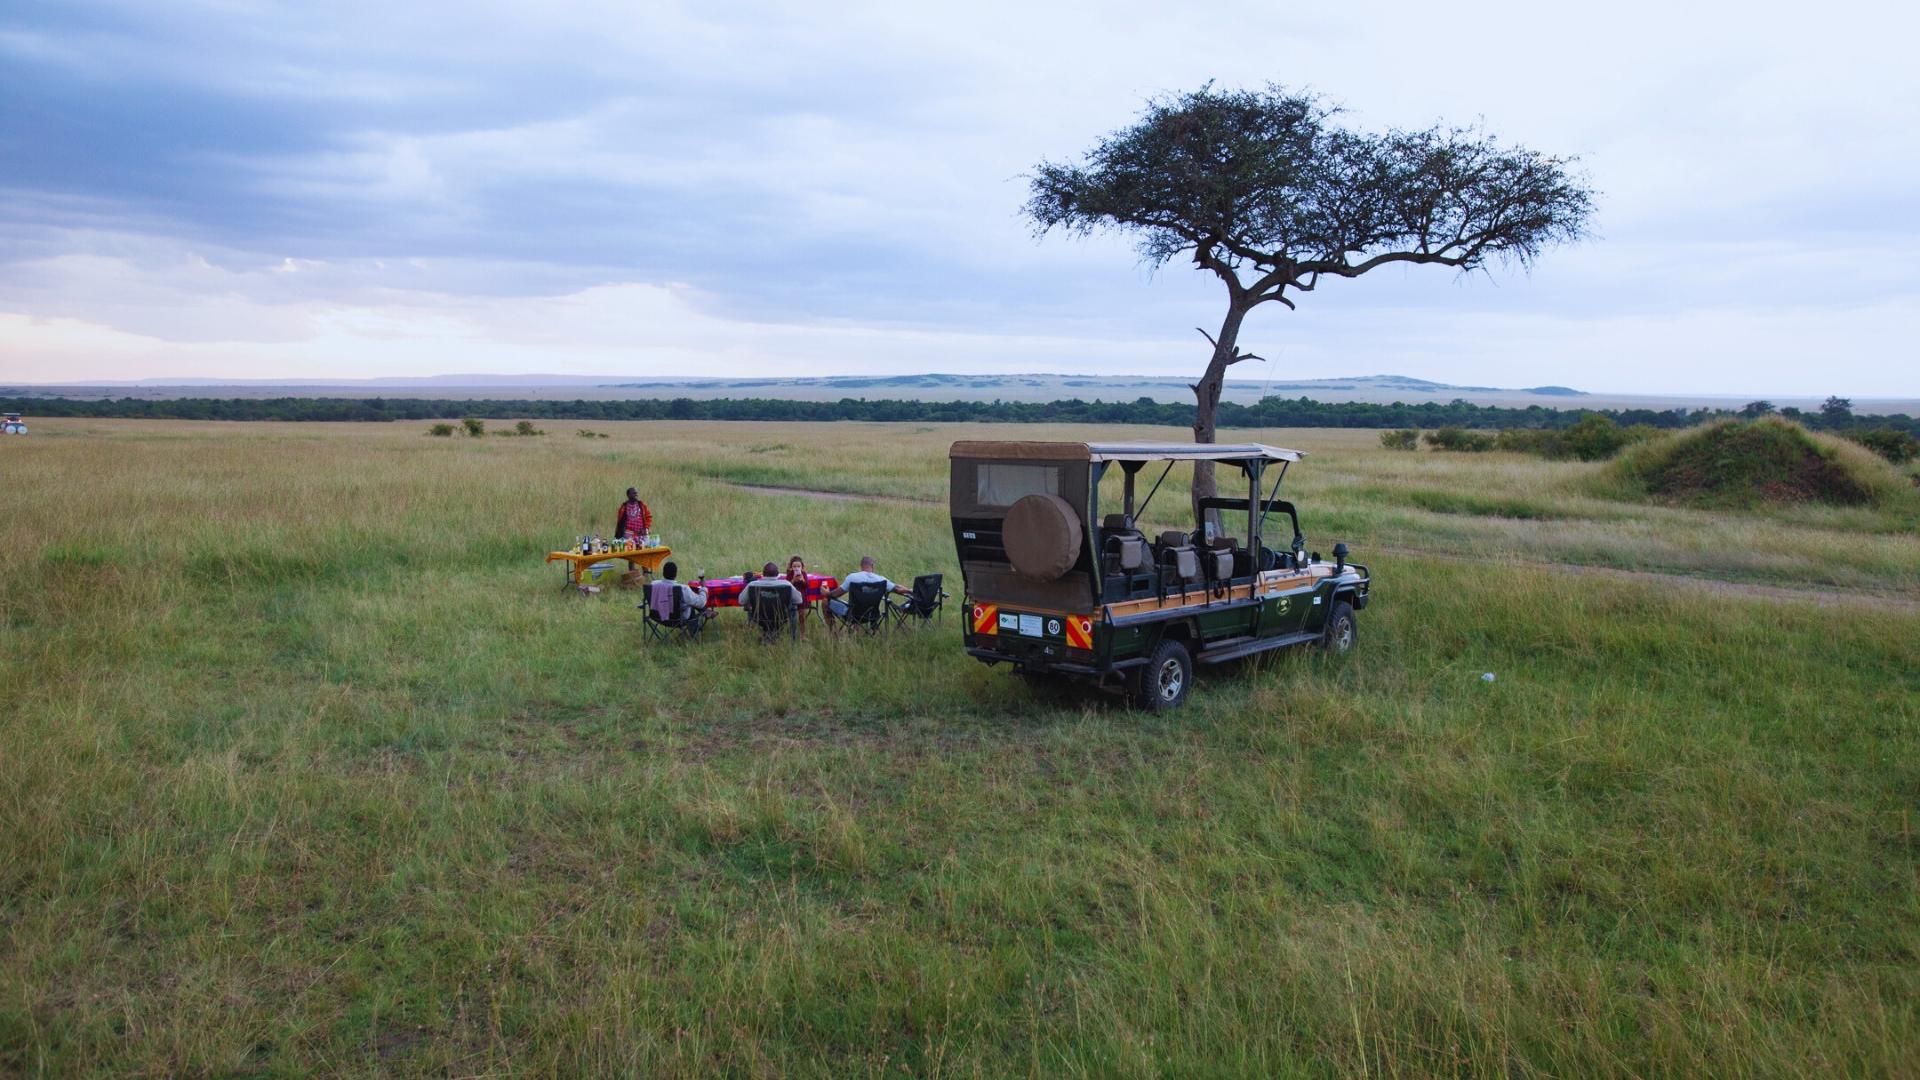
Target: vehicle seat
1123 544
1178 555
1221 558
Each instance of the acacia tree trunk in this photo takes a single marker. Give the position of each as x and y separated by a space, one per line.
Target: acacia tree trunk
1206 394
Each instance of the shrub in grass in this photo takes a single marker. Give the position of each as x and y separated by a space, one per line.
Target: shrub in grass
475 428
1743 464
1460 440
441 431
525 427
1537 441
1593 438
585 434
1404 439
1893 444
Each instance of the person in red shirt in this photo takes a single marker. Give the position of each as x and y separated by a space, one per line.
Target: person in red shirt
633 519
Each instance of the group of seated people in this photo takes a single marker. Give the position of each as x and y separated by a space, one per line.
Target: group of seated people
793 587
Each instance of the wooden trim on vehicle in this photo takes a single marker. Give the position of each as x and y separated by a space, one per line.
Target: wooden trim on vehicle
1272 581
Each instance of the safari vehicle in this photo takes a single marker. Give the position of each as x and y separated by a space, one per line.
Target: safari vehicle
1063 588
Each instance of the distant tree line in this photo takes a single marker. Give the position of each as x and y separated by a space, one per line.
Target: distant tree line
1836 416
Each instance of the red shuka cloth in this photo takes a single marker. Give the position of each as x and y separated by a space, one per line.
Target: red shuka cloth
725 592
635 520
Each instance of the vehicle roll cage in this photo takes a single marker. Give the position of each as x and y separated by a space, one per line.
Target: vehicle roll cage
1252 459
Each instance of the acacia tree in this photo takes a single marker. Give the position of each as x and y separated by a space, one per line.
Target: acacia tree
1264 190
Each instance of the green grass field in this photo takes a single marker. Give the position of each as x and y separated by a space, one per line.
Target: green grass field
308 765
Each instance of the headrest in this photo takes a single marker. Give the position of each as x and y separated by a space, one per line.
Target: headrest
1225 543
1115 523
1174 538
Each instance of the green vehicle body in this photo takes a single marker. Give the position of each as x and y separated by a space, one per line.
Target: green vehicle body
1093 600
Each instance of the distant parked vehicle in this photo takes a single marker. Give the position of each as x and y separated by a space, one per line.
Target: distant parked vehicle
13 425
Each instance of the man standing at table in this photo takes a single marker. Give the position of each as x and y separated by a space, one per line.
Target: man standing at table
633 519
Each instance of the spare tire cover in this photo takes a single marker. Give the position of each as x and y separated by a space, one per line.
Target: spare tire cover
1042 536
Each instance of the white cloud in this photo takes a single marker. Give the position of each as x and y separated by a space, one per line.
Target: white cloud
367 328
841 188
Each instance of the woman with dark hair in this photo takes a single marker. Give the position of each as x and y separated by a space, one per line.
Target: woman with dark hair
797 575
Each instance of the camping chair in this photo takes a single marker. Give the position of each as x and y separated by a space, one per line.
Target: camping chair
866 607
923 605
770 610
681 622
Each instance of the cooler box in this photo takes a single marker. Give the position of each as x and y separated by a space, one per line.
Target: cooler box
603 574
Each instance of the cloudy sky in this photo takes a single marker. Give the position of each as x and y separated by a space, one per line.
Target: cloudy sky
228 188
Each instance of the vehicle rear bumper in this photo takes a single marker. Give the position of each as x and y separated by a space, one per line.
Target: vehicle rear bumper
1089 669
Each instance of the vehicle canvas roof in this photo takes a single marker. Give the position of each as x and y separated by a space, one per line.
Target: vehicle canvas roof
1123 451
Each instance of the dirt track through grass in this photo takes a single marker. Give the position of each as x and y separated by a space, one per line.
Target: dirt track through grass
832 496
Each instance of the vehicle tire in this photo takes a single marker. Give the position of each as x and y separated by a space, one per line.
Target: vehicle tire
1163 683
1342 629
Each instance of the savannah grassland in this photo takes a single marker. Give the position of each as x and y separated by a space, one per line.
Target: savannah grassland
308 765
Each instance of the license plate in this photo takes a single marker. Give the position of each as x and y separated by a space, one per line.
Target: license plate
1030 626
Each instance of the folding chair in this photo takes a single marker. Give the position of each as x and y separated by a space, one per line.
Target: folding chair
770 610
682 623
923 605
866 608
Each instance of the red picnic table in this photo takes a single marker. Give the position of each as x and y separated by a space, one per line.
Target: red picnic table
725 592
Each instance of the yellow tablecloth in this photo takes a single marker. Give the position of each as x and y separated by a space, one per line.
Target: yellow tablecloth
648 559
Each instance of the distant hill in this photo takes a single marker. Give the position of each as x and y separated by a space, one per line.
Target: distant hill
1045 387
933 386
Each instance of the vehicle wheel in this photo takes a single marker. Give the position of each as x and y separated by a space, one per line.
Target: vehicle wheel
1342 630
1163 683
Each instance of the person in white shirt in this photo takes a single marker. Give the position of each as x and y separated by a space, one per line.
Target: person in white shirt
838 607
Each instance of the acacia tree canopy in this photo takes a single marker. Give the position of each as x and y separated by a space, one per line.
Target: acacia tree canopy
1265 190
